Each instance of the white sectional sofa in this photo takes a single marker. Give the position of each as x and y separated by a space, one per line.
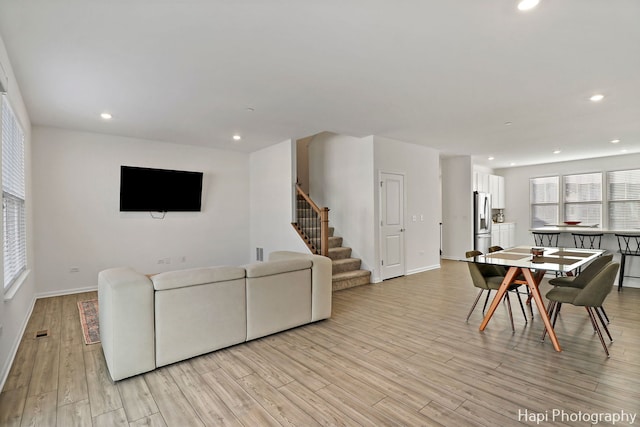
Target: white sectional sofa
151 322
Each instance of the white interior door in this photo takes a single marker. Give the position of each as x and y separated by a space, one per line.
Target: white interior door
392 225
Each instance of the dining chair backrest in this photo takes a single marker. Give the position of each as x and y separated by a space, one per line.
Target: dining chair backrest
587 240
595 292
546 239
479 272
591 270
629 244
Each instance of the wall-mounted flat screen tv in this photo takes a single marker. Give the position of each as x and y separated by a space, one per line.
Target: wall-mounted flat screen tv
159 190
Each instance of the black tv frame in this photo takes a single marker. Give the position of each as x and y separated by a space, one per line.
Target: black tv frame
145 189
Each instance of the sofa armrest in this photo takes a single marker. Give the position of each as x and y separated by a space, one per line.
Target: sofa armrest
126 315
321 285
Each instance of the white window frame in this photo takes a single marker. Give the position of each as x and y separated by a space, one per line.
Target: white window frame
13 195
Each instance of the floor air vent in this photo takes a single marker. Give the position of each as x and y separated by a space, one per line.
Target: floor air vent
43 333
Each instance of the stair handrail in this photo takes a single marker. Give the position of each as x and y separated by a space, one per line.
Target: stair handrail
323 213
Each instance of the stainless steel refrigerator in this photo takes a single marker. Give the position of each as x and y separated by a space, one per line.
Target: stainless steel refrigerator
482 221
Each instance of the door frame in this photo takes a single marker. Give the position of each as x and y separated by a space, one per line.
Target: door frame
379 220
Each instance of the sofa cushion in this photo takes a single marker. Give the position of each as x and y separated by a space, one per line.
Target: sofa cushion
261 269
278 302
198 319
196 276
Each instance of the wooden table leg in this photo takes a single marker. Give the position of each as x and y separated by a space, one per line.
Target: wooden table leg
539 275
535 292
508 279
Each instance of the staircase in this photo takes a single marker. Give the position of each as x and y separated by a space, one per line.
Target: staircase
346 270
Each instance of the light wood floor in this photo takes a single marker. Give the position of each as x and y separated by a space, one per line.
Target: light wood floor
394 353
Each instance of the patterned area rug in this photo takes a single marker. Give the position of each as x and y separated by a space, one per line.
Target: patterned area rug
89 321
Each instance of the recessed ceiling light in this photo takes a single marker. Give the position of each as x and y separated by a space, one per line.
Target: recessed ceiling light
490 158
623 151
615 141
106 116
237 137
512 164
508 123
557 151
527 4
251 109
597 97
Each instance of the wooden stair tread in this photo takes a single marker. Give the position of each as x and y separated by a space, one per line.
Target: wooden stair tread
351 274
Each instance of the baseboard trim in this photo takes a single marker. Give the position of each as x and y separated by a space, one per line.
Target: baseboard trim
14 350
66 292
423 269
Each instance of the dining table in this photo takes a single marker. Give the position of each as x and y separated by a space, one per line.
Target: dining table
521 262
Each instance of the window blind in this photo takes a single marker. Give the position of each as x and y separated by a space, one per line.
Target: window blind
583 198
624 199
13 195
544 197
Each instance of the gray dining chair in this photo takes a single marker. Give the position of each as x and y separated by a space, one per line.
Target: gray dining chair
591 296
581 280
487 278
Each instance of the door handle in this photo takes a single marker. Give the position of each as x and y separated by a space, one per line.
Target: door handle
402 230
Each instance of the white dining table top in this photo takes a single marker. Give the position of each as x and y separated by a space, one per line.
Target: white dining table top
554 259
583 229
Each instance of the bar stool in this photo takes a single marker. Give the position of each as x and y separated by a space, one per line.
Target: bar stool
587 241
629 245
549 239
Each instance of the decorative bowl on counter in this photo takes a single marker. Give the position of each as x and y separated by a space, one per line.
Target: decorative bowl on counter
572 222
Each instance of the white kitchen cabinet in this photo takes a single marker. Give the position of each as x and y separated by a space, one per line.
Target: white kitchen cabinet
496 188
481 182
495 235
503 234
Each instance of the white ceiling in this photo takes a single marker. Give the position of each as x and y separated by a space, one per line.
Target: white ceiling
447 74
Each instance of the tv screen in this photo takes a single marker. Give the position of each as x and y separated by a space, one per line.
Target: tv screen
159 190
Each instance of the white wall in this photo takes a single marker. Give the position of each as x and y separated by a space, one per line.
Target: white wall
272 200
14 312
341 176
302 162
77 218
421 169
517 197
344 174
457 206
